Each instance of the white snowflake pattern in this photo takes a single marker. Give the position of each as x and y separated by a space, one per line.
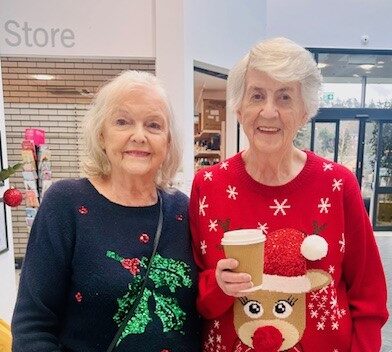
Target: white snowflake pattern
231 190
333 302
324 307
324 205
335 350
327 166
224 165
213 225
208 175
214 339
342 243
314 295
337 184
202 206
280 207
335 325
203 247
262 227
331 269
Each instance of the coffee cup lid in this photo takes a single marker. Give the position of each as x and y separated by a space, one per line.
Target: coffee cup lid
244 236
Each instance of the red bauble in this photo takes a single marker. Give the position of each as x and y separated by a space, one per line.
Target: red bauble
12 197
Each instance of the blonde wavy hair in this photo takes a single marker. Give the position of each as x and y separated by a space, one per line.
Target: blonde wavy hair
95 162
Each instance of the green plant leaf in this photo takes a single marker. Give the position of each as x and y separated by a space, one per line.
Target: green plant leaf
169 311
140 319
168 272
125 303
6 173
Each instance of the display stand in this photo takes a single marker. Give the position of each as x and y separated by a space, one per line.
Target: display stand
37 174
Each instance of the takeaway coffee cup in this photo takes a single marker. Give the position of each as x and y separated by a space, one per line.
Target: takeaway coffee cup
246 246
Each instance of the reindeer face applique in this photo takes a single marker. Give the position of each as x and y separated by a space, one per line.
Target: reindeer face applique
275 315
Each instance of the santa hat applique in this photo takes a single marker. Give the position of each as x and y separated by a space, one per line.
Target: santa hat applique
286 252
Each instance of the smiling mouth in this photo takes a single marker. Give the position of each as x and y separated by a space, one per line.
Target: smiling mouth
268 129
137 153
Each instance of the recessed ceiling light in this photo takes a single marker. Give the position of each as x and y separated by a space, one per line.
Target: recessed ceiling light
380 62
322 65
366 67
42 77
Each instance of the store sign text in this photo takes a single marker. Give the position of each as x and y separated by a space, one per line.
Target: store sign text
22 34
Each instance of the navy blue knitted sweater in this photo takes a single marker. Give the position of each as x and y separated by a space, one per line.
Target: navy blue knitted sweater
83 267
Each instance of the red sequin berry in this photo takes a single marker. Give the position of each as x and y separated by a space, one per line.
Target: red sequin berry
179 217
78 297
83 210
165 350
144 238
132 265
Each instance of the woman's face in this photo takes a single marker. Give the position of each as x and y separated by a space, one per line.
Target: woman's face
271 113
136 135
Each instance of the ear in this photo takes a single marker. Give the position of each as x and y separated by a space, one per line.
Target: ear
318 279
304 118
239 116
101 141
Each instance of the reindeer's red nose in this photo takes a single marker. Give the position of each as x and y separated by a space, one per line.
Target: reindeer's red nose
267 339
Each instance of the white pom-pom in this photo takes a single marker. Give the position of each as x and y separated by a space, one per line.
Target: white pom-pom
314 247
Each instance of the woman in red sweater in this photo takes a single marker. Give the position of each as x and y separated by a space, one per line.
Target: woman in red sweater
323 283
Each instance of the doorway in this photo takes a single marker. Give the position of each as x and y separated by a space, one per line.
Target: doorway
361 140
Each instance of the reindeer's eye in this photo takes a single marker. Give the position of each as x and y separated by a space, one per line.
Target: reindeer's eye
282 309
253 309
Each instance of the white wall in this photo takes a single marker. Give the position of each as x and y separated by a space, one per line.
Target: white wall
222 31
7 266
334 23
120 28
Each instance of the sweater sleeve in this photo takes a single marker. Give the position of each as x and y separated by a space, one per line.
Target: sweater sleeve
45 276
363 273
211 301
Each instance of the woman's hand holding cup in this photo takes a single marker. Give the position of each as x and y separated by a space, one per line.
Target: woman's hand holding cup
231 283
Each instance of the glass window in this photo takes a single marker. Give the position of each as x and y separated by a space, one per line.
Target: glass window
342 84
348 144
379 83
385 178
302 140
369 159
384 210
324 139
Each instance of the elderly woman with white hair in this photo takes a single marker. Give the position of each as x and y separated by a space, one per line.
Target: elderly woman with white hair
109 262
322 282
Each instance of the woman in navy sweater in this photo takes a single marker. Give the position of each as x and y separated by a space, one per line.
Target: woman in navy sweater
92 239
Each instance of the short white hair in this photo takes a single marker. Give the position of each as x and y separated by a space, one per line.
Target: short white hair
283 60
95 162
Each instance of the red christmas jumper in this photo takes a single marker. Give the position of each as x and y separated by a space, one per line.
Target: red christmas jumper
348 313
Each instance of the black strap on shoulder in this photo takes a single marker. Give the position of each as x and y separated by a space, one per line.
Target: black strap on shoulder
131 311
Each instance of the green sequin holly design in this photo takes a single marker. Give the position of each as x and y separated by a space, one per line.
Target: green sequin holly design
164 272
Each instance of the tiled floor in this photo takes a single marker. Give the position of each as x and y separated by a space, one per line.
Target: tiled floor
384 240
